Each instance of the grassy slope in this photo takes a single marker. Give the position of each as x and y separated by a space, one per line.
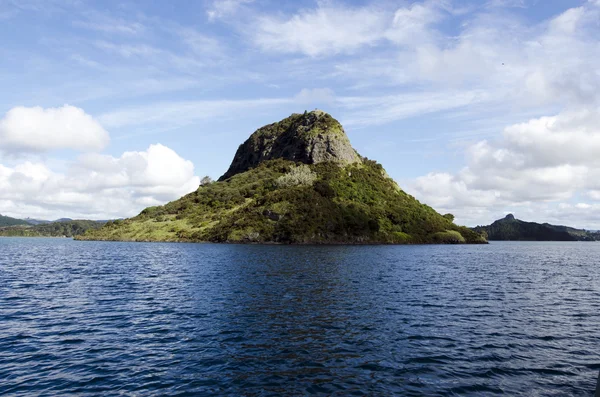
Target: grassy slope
54 229
355 204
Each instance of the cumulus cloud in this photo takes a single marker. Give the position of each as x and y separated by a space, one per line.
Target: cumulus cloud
327 30
335 28
551 62
97 186
551 160
508 63
412 25
35 129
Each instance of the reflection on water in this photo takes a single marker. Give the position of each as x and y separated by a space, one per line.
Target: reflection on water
187 319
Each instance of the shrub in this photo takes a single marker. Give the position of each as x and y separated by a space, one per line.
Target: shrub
324 189
400 237
448 237
300 175
450 217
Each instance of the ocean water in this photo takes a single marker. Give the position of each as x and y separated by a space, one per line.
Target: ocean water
151 319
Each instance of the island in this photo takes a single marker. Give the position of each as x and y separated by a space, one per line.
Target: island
511 229
296 181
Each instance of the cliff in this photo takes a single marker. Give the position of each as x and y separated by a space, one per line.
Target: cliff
311 138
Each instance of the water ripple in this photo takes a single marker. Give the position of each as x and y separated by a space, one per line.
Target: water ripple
92 318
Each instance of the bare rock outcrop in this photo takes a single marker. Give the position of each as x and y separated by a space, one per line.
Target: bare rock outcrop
311 138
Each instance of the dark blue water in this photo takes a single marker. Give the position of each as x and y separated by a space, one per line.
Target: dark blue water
91 318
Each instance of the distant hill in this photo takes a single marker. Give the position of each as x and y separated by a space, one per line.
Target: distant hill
70 228
8 221
296 181
32 221
512 229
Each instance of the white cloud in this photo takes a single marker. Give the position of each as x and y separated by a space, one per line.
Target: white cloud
411 25
335 28
353 111
548 160
568 21
159 171
108 24
327 30
130 50
97 186
224 8
506 3
377 110
180 113
36 129
549 63
495 61
486 68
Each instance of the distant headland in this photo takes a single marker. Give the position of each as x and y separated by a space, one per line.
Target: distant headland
511 229
64 227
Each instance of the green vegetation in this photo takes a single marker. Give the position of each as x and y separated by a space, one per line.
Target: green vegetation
301 175
448 237
8 221
54 229
513 229
357 203
324 124
297 181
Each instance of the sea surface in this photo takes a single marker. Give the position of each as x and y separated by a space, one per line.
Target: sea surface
153 319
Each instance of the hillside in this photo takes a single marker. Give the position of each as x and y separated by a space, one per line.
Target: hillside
54 229
512 229
296 181
8 221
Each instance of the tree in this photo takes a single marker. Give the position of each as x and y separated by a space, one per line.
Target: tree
207 180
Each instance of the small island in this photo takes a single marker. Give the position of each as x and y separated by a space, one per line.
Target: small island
296 181
511 229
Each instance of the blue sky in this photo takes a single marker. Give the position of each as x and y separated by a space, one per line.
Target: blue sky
478 108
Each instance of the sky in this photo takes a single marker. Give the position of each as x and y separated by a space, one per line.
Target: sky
477 108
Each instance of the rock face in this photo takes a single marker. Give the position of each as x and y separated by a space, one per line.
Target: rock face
311 138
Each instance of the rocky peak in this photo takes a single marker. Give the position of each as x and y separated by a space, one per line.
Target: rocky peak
509 217
311 138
